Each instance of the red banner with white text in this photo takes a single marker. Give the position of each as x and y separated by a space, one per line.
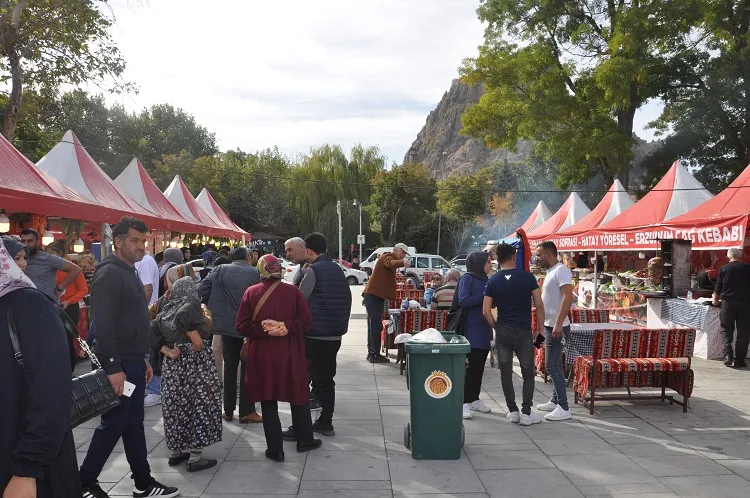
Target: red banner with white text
723 233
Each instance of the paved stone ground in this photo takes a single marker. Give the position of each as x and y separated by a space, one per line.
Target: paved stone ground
638 449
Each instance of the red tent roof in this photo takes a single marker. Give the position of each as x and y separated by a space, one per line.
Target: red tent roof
179 195
733 201
25 188
69 162
614 203
572 211
135 182
206 201
540 214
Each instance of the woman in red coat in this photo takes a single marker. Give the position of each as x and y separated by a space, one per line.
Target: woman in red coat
274 318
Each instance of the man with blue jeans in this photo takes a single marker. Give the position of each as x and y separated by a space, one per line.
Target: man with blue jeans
557 295
511 290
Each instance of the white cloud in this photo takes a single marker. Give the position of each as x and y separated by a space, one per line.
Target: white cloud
297 73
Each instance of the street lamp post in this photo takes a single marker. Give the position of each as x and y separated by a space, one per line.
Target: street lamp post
359 239
440 204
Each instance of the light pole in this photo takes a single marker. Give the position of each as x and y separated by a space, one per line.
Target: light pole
440 204
359 238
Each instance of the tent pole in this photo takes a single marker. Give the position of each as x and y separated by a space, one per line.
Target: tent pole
596 279
106 241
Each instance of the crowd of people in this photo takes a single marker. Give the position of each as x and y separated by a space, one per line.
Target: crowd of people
196 345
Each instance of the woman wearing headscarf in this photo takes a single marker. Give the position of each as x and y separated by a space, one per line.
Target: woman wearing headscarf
172 257
191 394
18 251
37 452
274 317
478 331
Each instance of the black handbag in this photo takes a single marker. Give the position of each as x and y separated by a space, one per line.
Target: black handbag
456 316
91 394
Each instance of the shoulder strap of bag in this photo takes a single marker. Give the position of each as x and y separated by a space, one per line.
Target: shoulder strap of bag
264 298
17 353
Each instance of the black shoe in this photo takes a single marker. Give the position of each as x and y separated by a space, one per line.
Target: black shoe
175 461
288 435
740 364
378 359
202 464
156 489
728 360
315 404
313 444
276 457
325 429
94 491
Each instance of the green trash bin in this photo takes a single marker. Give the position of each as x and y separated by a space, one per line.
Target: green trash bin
435 377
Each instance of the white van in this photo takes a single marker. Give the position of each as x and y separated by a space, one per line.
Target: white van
368 264
420 263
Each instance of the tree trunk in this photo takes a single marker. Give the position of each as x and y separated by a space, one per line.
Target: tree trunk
10 119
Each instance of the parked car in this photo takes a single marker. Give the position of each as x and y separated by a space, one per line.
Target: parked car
459 264
421 263
458 257
354 277
343 262
368 264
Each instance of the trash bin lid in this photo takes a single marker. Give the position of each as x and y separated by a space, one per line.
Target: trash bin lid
461 347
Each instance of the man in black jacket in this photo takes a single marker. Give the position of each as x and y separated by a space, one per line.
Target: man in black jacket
733 287
122 341
327 293
221 291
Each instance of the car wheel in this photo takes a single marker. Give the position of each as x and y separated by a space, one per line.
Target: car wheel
352 280
368 271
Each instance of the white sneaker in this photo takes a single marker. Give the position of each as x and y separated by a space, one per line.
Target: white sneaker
529 419
558 414
479 406
152 400
467 411
514 417
547 407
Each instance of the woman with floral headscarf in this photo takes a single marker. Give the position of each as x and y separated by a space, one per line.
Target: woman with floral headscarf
274 318
37 452
191 393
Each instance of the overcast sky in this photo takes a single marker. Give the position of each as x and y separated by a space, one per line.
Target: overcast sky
300 73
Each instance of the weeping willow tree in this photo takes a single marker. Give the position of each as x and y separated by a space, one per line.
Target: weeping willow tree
327 175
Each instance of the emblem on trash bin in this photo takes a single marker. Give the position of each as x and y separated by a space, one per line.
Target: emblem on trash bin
438 384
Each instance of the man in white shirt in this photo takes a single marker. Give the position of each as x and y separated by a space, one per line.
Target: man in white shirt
557 296
148 272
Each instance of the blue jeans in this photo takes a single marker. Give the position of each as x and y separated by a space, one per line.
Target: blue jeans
553 350
153 387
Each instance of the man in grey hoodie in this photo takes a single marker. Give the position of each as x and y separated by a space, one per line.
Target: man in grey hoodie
122 324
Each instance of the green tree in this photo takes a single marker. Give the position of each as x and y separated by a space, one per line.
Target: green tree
400 198
570 75
463 199
50 42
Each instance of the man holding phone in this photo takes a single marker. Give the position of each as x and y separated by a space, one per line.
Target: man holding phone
120 311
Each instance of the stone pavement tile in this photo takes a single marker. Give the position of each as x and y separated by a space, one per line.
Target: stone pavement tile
675 466
530 483
498 438
592 445
390 382
359 428
708 486
622 430
394 449
395 415
394 400
358 381
352 394
587 470
601 409
116 468
569 429
356 410
654 489
257 478
151 443
724 426
655 450
325 465
454 495
255 451
718 448
739 467
411 476
489 458
346 485
309 493
488 423
353 443
190 485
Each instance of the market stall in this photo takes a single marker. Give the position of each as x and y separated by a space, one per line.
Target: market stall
206 201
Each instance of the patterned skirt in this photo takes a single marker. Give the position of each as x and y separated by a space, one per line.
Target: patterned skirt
191 399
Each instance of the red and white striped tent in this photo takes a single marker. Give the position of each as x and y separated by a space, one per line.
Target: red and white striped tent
180 197
570 213
540 214
206 201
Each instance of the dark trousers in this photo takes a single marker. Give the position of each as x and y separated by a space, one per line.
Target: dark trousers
511 340
374 306
474 373
301 421
126 422
74 312
735 315
322 357
232 346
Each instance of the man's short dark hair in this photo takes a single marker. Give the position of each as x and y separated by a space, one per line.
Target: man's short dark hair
239 254
259 252
30 231
317 243
125 224
505 252
550 247
221 260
